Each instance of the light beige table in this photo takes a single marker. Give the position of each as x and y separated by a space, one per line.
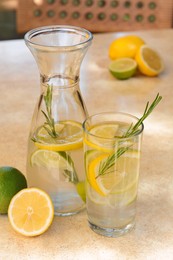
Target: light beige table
70 238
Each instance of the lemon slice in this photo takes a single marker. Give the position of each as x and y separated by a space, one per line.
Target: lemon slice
95 196
149 61
52 159
60 161
123 68
119 178
70 137
43 134
102 137
124 198
105 130
31 212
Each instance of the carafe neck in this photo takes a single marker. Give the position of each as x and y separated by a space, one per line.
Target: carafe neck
59 50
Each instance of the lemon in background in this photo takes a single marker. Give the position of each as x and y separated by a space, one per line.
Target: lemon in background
11 181
125 46
149 61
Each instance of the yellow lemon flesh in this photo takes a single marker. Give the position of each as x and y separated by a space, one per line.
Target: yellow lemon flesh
100 135
120 177
31 212
70 137
125 47
149 61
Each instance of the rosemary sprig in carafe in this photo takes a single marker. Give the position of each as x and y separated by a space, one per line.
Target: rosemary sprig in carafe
49 125
132 130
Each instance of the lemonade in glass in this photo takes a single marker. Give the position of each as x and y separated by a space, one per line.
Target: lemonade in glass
112 170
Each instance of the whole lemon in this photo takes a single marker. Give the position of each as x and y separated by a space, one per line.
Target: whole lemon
125 47
11 181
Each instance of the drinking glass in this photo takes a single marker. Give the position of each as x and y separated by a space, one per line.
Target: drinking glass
112 170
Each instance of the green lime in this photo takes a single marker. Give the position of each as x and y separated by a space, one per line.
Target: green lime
11 181
123 68
80 186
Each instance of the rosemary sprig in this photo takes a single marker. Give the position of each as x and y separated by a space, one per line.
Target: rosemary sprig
49 125
132 130
110 161
70 175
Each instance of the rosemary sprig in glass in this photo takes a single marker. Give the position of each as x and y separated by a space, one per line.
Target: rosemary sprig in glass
132 130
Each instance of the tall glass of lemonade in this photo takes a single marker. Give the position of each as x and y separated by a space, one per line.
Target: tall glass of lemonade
112 163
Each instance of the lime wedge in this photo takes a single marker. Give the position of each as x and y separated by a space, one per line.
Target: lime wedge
123 68
80 186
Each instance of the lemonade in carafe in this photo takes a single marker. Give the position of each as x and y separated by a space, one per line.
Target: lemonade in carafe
55 153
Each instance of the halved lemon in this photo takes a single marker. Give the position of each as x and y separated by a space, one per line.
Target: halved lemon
149 61
123 68
31 212
118 178
70 137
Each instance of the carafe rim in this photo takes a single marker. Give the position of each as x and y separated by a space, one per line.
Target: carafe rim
53 28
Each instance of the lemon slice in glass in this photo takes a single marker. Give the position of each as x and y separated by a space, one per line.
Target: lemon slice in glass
123 68
108 130
52 159
60 161
100 137
119 178
42 133
70 137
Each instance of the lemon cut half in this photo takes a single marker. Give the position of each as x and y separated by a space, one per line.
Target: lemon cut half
149 61
31 212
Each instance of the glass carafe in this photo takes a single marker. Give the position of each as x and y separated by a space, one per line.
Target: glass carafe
55 153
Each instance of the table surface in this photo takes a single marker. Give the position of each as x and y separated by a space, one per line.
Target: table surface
70 237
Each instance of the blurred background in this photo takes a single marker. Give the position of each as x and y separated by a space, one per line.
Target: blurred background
8 10
19 16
